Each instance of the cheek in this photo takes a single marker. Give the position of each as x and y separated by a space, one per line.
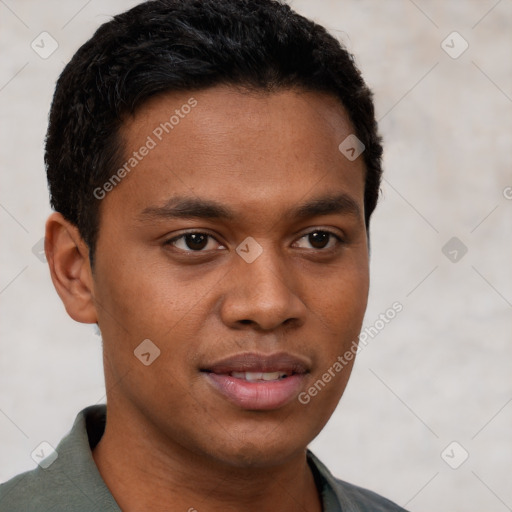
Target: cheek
139 299
341 300
338 316
138 295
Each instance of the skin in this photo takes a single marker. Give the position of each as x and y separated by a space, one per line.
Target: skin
172 442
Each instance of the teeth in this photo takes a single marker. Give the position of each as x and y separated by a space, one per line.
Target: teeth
272 375
255 376
252 376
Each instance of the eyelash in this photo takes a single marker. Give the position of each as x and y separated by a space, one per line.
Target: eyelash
338 238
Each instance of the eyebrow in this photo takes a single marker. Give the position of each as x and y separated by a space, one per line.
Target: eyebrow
187 208
327 205
191 208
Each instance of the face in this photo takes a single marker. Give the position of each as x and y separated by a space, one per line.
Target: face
236 244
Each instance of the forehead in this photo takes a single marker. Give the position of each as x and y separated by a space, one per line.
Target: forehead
251 147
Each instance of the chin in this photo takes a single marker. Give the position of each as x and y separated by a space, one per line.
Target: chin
261 451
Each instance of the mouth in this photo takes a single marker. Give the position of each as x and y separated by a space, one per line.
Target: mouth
258 381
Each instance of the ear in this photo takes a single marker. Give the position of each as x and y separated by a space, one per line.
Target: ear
68 258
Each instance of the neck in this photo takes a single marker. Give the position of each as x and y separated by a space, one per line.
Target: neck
156 474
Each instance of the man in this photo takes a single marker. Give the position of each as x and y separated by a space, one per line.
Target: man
213 166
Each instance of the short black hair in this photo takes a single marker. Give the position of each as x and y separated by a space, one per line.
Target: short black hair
185 45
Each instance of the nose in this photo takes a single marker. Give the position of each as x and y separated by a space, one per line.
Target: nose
263 294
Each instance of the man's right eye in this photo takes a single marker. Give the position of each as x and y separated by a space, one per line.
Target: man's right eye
194 242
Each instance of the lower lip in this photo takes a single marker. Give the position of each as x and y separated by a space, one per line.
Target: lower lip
259 395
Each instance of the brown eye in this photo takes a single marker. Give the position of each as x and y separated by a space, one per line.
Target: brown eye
194 242
319 239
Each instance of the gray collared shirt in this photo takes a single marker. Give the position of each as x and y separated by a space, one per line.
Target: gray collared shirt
72 482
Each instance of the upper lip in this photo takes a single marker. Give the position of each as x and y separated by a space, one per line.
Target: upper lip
254 362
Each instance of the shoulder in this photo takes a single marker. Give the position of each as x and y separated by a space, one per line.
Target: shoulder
38 489
340 495
365 499
69 480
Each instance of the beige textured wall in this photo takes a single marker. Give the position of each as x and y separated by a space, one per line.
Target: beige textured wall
440 371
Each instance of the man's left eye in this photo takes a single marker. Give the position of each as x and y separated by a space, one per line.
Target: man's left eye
319 239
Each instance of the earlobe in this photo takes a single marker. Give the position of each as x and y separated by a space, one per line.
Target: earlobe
68 259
